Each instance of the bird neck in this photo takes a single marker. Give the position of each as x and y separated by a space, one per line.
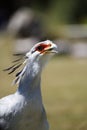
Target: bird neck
30 81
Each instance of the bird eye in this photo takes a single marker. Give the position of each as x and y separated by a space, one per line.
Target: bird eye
40 48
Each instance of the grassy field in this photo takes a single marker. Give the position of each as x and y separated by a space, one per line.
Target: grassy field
65 94
64 88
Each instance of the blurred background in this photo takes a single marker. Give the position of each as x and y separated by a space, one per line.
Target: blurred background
64 82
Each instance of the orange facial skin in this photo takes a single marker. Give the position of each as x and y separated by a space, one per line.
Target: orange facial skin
42 47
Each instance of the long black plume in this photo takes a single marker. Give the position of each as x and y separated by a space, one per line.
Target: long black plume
19 54
18 73
7 69
17 60
14 68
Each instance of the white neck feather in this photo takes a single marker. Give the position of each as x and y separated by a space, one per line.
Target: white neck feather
30 81
29 88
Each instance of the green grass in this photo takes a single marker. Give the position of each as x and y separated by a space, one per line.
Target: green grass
64 88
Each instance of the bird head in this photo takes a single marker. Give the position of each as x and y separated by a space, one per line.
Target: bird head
42 52
35 59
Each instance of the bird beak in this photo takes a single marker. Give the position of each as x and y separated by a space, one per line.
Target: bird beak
52 49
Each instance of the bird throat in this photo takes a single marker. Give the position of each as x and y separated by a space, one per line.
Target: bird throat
30 82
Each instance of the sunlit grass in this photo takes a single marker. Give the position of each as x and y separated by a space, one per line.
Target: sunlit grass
64 88
64 92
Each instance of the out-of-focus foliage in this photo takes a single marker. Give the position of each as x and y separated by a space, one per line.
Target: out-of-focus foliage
65 11
53 12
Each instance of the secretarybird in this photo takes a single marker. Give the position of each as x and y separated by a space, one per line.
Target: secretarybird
26 102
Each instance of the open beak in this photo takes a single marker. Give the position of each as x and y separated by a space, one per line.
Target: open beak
52 49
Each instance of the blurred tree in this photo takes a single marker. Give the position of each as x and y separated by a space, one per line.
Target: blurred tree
68 11
80 13
57 11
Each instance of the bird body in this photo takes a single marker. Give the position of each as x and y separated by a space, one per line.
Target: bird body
26 103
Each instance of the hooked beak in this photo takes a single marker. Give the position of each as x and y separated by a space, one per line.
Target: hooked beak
52 49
